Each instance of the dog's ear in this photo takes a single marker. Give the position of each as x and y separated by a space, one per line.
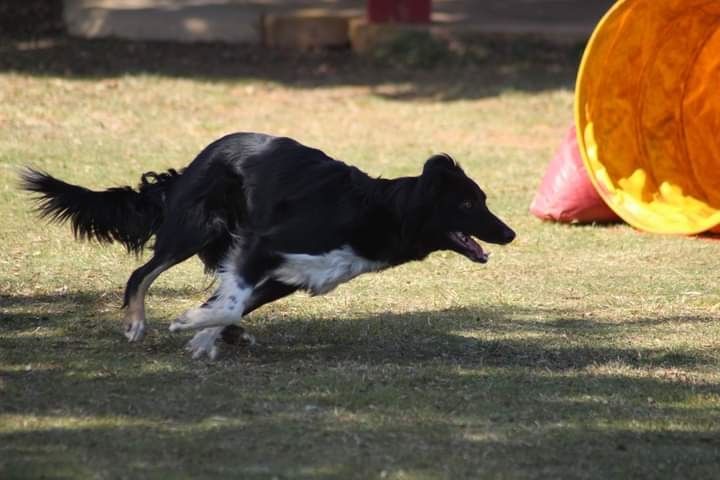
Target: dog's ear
442 161
436 171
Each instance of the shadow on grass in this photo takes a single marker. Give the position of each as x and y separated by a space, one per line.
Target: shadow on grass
514 66
283 447
558 340
424 393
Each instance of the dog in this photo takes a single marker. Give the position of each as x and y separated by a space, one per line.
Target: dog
270 216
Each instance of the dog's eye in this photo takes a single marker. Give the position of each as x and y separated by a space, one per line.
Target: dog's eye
466 205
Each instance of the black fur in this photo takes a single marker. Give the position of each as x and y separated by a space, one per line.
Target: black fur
275 195
118 214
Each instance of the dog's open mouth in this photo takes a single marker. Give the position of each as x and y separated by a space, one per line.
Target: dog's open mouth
468 247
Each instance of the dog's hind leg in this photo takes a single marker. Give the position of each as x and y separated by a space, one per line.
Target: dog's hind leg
175 243
203 343
135 291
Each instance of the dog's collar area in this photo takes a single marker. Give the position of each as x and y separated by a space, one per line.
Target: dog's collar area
469 247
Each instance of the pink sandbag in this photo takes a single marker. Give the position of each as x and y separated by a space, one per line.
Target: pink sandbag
566 193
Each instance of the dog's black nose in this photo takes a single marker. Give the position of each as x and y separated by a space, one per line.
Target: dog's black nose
508 236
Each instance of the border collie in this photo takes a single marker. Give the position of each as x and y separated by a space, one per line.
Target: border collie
271 216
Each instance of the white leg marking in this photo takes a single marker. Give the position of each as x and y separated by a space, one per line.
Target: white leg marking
197 318
203 343
135 315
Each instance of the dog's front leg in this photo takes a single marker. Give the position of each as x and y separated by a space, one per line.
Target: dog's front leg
245 267
204 343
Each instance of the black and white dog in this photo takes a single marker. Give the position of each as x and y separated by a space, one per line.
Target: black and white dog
271 216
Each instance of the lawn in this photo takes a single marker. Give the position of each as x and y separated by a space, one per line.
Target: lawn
576 352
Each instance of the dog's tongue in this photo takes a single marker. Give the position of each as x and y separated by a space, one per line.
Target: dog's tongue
477 250
474 250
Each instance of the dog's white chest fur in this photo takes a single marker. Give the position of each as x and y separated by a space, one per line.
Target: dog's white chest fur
320 274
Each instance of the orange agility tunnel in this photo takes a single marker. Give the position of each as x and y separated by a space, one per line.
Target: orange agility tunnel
647 110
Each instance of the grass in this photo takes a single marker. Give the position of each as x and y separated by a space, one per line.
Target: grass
577 352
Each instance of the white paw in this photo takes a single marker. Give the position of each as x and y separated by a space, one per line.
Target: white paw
135 331
203 343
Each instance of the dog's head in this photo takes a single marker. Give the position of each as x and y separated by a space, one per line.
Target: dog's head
451 210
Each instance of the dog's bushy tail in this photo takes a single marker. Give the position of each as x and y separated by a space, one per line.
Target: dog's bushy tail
120 214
